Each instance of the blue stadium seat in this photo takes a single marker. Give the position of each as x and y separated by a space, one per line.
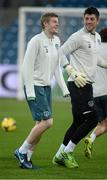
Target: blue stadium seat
82 3
9 44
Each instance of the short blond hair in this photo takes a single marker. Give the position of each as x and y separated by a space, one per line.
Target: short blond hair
46 17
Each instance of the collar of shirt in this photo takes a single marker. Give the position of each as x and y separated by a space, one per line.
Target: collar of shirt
85 29
50 39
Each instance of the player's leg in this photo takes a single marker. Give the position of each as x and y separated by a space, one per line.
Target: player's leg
101 110
101 128
101 107
83 108
33 147
80 133
66 149
98 131
57 158
36 132
39 109
32 139
70 131
66 140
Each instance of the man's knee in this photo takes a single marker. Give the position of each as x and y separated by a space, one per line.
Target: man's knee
103 124
48 123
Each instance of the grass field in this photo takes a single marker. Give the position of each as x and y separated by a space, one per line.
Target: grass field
95 168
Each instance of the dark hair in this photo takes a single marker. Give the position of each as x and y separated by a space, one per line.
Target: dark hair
103 34
46 17
92 10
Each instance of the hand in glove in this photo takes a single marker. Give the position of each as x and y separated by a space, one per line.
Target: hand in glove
78 77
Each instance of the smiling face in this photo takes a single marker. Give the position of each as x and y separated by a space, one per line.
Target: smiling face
52 25
90 22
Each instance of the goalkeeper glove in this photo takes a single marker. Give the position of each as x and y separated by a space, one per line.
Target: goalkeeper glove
78 77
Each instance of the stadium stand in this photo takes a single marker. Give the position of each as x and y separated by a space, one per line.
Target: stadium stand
9 44
82 3
9 31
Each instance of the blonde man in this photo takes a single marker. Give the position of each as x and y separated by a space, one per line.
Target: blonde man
40 63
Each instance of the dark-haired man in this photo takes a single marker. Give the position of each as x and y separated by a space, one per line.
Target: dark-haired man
82 47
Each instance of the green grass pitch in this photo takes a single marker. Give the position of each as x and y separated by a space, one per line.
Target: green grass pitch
95 168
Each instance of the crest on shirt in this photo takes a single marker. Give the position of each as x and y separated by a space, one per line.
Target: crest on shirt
46 49
57 46
91 103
